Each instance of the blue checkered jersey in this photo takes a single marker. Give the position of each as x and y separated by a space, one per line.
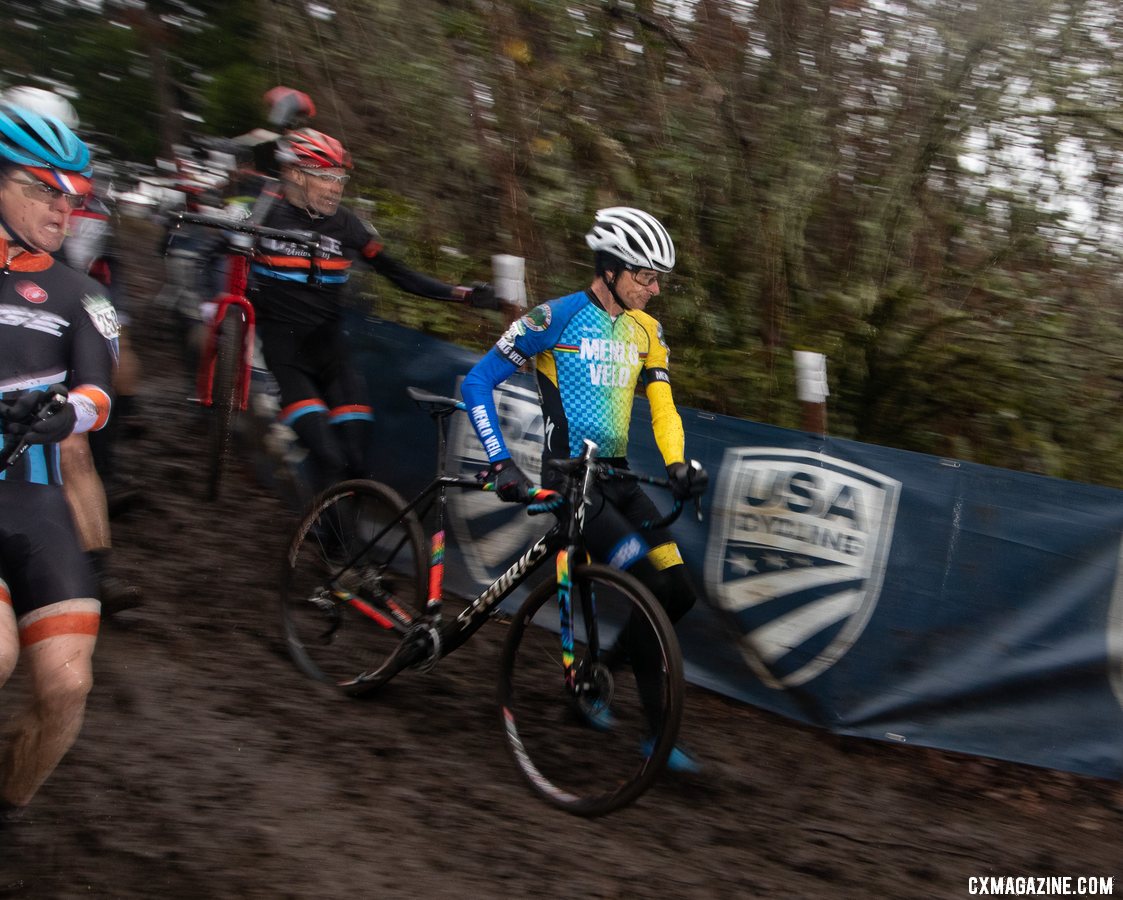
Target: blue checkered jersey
588 367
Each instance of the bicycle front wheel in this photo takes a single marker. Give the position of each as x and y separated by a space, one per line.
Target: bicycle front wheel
354 585
228 362
594 745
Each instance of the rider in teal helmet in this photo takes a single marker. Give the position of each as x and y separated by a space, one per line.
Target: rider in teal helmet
46 148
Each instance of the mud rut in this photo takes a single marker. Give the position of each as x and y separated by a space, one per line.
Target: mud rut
208 767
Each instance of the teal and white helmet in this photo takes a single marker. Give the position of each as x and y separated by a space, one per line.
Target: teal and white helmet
46 147
42 102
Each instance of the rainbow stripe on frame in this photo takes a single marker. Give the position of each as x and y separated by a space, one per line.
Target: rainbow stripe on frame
436 569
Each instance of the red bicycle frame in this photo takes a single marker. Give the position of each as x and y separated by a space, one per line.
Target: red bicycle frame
235 295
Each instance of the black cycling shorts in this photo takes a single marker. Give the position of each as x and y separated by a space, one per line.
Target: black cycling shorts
41 560
311 363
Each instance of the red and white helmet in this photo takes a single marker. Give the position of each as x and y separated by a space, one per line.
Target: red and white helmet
312 149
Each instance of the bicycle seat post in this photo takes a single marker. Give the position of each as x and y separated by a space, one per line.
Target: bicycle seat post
440 422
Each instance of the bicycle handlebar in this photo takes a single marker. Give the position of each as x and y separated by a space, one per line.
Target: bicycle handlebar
609 472
542 499
308 239
606 471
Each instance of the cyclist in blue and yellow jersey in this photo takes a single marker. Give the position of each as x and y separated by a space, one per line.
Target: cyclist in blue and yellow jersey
57 327
299 304
591 350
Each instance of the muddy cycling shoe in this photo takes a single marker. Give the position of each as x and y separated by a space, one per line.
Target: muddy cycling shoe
679 761
682 762
117 595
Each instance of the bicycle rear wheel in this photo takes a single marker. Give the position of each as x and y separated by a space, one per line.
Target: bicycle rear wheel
354 585
595 746
225 399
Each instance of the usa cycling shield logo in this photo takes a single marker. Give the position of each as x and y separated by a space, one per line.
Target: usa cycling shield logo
797 554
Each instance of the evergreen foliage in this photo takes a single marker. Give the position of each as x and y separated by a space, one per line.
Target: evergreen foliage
927 192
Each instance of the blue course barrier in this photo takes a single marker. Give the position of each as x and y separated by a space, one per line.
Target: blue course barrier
869 591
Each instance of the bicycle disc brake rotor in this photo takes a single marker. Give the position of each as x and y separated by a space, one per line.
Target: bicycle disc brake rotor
594 689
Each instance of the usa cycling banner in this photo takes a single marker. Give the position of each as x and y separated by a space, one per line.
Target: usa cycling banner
869 591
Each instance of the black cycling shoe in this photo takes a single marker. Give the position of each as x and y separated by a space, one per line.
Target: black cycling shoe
10 815
117 595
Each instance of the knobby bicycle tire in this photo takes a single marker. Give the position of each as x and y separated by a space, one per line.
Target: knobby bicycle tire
594 747
354 585
228 362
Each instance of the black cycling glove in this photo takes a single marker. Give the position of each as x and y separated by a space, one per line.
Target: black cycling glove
688 479
511 484
482 296
33 416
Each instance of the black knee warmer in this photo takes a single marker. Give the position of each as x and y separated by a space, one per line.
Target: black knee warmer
672 587
355 437
327 454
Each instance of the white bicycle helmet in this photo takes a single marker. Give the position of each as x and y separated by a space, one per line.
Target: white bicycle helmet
42 102
634 236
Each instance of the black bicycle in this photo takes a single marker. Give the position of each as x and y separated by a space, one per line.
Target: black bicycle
591 678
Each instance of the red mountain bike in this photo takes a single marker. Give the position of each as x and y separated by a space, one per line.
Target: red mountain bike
222 380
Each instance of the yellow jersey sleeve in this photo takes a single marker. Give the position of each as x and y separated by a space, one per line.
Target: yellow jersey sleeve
665 420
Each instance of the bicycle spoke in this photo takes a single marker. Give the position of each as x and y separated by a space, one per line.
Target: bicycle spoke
355 578
599 744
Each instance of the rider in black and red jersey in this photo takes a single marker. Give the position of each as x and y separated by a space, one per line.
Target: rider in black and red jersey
298 304
86 459
56 327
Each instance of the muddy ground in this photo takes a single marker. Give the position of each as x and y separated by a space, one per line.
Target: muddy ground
208 767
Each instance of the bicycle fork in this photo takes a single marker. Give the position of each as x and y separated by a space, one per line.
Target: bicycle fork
566 629
204 386
565 614
235 295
